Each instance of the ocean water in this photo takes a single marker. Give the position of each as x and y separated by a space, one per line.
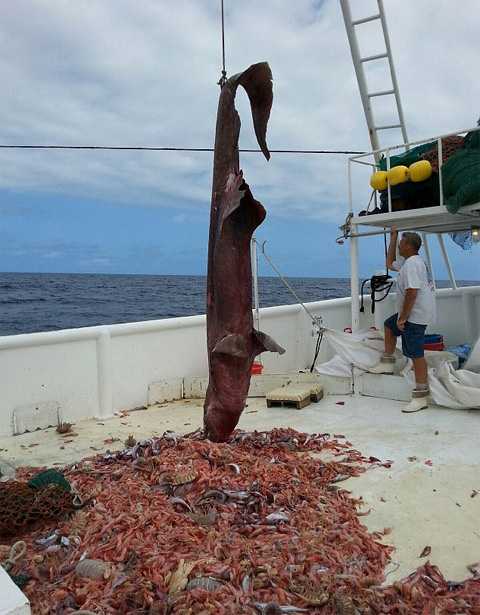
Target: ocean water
31 302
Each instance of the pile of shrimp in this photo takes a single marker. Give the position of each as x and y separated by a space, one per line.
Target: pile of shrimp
261 524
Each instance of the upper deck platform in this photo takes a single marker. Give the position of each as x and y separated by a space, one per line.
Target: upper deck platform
431 216
436 219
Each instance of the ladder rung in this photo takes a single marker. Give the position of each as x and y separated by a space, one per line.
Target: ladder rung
365 19
384 93
388 126
379 56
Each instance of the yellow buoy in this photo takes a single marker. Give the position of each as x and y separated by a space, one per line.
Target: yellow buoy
378 181
420 171
398 175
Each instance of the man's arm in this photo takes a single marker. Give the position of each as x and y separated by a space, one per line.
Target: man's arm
392 248
410 297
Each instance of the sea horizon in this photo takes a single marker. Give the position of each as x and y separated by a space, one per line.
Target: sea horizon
36 302
200 275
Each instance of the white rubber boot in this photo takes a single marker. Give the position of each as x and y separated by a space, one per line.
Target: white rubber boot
420 401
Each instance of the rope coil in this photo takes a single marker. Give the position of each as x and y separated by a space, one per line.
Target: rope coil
17 552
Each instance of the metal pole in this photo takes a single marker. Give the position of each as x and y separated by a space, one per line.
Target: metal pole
440 163
354 283
255 281
448 264
388 183
350 192
429 260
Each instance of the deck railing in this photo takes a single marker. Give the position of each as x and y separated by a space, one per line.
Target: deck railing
359 159
95 371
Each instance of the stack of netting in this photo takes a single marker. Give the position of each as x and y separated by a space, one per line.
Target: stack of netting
461 175
45 497
415 195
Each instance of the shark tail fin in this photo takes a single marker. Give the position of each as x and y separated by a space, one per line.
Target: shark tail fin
257 82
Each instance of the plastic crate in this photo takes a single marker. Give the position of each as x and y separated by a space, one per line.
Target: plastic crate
434 346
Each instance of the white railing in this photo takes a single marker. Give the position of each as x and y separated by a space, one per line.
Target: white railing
96 371
359 159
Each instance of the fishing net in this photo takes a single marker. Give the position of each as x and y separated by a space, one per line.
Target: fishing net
407 158
192 527
428 151
461 179
460 176
450 145
45 497
472 140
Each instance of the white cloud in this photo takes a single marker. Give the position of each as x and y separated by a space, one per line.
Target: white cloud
129 73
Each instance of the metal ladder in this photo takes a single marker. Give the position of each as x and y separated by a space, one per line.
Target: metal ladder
359 62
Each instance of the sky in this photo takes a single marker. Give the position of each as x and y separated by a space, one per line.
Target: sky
131 73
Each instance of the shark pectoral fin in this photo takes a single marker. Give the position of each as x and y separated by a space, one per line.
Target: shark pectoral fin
257 81
237 193
232 344
265 342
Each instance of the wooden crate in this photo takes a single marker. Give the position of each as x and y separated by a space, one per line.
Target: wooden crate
296 396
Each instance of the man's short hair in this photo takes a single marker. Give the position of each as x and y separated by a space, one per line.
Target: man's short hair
413 239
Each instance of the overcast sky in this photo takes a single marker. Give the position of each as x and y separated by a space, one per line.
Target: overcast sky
130 72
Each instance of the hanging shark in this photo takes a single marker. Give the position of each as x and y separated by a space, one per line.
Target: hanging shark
232 342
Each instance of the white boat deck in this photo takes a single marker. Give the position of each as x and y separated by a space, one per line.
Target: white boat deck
12 600
423 504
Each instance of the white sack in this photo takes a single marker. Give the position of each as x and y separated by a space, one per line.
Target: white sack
451 388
